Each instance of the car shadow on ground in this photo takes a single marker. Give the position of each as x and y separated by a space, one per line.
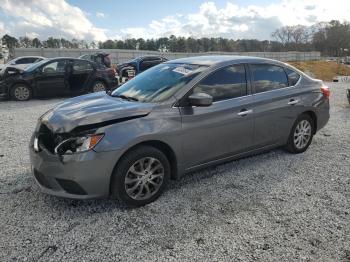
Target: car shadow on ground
243 181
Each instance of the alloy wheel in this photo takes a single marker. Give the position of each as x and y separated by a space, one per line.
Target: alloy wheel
302 134
144 178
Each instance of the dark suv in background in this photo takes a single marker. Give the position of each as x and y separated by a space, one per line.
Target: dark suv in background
55 77
130 69
100 58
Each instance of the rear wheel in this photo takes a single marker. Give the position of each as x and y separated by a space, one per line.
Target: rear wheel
98 87
21 92
140 176
301 134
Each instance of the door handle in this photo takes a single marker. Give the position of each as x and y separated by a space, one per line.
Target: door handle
245 112
293 102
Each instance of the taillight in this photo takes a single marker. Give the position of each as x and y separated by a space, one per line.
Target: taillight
325 91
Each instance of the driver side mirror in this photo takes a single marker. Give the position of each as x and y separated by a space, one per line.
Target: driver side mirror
200 99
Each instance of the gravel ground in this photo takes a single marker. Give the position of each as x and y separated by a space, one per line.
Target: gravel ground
271 207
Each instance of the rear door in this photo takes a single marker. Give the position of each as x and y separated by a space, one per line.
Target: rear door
51 79
224 128
79 76
276 103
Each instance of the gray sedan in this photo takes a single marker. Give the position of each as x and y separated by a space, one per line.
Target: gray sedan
174 118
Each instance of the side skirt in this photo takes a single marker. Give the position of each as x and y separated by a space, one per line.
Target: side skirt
229 158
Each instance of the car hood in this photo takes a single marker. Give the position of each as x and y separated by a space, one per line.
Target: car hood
18 68
93 109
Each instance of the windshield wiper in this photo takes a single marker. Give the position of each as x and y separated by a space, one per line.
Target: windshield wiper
129 98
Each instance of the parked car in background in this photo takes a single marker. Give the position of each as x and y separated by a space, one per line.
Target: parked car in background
55 77
130 69
23 60
100 58
176 117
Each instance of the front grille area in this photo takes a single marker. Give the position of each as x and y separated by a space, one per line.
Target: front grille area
42 179
71 187
46 138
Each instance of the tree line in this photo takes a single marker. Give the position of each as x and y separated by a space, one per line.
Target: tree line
330 38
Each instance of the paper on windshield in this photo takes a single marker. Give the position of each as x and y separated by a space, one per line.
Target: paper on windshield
182 70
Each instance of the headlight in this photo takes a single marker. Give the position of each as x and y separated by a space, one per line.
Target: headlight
78 144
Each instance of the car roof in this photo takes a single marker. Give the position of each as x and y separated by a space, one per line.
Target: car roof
220 59
147 56
29 56
65 58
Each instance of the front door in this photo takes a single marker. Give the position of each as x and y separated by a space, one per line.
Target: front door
226 127
52 79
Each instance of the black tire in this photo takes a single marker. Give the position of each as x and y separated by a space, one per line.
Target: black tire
98 86
119 184
21 92
291 146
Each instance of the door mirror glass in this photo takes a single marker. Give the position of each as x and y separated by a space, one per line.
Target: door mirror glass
200 99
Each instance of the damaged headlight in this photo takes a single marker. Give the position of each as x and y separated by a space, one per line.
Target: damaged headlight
78 144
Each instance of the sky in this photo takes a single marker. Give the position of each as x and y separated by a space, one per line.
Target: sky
93 20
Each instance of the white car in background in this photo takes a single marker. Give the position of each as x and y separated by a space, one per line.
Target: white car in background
23 60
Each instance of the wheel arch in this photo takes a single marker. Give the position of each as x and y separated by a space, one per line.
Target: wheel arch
313 116
161 146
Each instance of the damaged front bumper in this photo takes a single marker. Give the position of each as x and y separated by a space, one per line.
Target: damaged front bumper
83 175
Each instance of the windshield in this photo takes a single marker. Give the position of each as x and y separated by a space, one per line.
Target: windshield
158 83
36 65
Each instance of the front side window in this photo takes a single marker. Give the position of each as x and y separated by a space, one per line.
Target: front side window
268 77
159 82
54 67
226 83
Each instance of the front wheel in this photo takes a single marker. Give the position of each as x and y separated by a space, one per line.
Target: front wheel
301 134
21 92
141 176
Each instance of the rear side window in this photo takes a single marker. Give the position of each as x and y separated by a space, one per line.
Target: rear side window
149 62
293 76
226 83
81 66
268 77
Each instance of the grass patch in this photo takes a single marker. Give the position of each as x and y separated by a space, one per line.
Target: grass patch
322 69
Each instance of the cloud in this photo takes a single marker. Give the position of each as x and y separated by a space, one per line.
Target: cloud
58 18
32 35
100 15
234 21
50 18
